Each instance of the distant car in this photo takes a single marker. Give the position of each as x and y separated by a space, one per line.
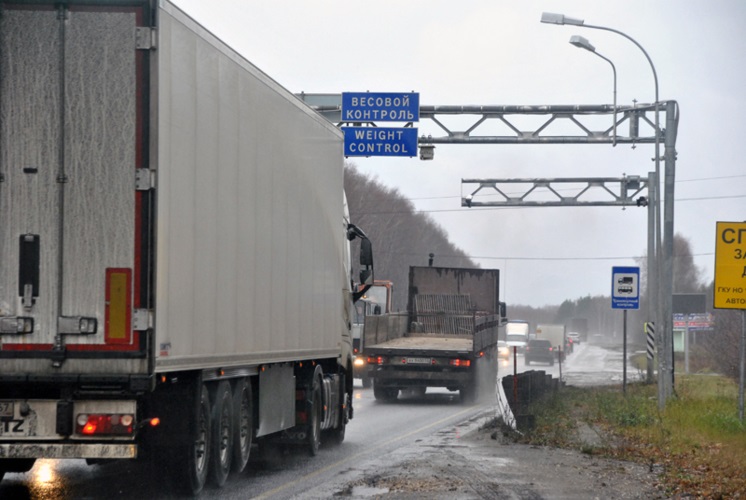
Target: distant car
503 351
539 350
574 336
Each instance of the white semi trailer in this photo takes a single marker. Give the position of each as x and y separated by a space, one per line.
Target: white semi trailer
174 246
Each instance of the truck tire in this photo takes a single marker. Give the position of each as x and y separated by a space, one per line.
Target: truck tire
194 458
221 453
385 394
468 394
243 424
418 391
337 435
315 409
16 465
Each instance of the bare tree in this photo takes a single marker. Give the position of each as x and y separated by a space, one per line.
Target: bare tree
401 236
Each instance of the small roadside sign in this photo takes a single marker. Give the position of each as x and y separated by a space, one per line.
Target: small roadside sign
730 266
625 287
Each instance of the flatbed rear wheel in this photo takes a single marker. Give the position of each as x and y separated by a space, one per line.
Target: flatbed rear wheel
468 394
385 393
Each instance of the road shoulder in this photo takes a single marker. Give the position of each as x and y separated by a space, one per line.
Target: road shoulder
475 459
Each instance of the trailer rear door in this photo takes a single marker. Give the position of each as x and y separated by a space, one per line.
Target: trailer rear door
73 128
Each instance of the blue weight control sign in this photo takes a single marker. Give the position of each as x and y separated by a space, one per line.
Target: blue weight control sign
380 107
380 141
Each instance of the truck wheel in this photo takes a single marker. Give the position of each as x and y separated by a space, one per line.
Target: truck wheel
385 393
315 409
419 391
221 453
243 424
16 465
193 471
467 394
337 435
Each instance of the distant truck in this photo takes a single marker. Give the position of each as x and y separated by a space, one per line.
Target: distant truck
175 271
554 334
447 338
376 301
516 334
579 325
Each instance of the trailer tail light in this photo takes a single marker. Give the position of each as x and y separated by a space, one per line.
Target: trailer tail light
104 424
376 360
460 363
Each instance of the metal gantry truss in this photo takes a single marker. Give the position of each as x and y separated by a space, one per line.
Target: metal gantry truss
635 123
626 195
574 115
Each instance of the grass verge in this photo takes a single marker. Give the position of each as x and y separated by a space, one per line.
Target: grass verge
697 442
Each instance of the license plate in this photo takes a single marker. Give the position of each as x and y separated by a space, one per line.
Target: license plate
9 425
30 419
418 361
6 409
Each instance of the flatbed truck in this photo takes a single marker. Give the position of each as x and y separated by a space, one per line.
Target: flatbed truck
447 338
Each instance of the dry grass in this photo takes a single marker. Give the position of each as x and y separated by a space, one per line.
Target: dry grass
697 442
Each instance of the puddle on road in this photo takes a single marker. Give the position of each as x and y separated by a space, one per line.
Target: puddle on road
368 491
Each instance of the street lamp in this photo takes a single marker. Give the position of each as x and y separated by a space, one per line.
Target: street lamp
583 43
663 312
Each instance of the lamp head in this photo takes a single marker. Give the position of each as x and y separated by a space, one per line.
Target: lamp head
550 18
582 42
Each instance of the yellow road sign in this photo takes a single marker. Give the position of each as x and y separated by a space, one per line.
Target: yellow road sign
730 266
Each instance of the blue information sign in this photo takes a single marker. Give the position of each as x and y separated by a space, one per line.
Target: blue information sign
625 287
380 107
380 141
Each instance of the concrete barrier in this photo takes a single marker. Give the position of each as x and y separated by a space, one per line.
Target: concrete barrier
521 389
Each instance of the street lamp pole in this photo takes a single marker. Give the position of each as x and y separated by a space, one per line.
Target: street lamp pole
665 355
583 43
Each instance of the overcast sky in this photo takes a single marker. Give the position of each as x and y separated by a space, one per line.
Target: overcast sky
490 52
